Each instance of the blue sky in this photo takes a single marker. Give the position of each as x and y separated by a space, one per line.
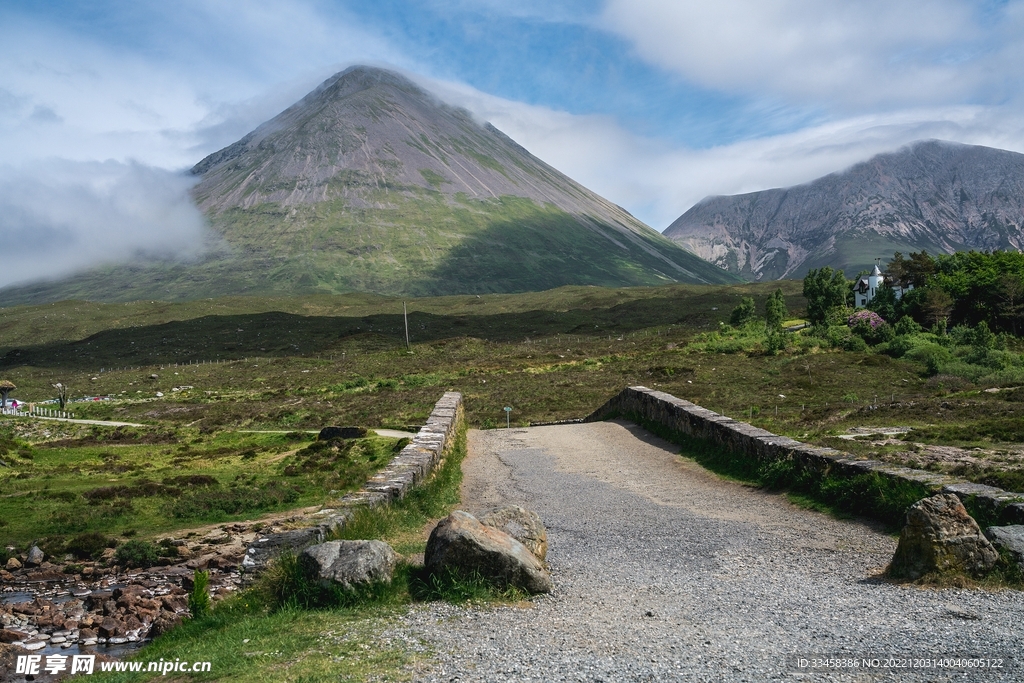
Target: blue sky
652 103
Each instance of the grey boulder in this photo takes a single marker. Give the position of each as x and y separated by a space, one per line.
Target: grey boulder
521 524
1010 539
35 557
940 537
350 563
462 544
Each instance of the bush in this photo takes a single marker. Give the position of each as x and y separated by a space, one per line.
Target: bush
199 597
855 344
137 554
212 504
932 356
1005 377
89 546
964 370
743 313
192 480
906 326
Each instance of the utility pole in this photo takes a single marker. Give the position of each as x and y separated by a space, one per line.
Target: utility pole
405 314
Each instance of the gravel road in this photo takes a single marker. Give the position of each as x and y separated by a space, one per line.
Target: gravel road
662 571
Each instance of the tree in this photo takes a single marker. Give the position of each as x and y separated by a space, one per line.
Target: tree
885 302
896 272
62 394
825 289
775 310
1011 299
920 267
937 305
6 387
743 313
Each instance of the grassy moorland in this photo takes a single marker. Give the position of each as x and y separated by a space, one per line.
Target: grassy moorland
206 369
127 482
203 376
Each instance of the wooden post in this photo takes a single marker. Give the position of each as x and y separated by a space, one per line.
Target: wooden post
405 315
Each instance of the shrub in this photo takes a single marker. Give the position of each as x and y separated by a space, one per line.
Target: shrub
199 596
192 480
774 342
136 553
950 383
906 326
854 343
865 318
89 546
214 504
932 356
964 370
1007 376
743 313
898 346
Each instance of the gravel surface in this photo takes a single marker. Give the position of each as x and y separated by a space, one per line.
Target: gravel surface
664 572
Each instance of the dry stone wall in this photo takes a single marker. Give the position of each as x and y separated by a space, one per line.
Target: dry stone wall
677 416
412 465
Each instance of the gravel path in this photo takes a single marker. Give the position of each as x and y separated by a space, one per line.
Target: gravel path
664 572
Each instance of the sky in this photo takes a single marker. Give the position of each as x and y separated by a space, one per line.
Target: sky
654 104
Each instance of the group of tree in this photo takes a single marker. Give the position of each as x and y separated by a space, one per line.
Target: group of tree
775 313
964 288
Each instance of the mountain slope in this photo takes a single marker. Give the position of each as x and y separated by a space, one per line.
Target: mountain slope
371 184
931 195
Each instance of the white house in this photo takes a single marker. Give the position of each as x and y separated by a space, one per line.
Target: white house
868 285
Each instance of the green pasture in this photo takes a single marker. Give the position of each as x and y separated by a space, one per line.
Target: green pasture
123 482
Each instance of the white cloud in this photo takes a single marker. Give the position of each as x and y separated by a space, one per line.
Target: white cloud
658 181
58 217
839 54
199 74
211 72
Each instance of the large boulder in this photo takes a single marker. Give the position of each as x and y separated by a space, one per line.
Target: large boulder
1010 539
349 563
940 537
35 557
521 524
460 543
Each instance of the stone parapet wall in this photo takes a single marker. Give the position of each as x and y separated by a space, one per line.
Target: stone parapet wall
677 416
413 464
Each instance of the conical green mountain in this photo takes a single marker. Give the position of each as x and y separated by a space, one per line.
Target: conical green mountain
369 183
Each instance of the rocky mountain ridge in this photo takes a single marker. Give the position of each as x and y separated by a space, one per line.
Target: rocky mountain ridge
932 195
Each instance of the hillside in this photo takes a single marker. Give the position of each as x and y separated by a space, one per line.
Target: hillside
931 195
371 184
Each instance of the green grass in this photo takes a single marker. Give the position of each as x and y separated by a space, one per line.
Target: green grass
401 523
414 242
109 481
287 627
244 641
304 362
868 495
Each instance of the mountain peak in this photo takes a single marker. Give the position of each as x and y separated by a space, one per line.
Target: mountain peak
371 183
931 194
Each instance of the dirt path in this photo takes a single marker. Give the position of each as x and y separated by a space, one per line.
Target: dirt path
664 572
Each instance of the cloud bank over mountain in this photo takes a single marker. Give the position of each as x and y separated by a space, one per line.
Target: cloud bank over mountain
58 217
651 103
